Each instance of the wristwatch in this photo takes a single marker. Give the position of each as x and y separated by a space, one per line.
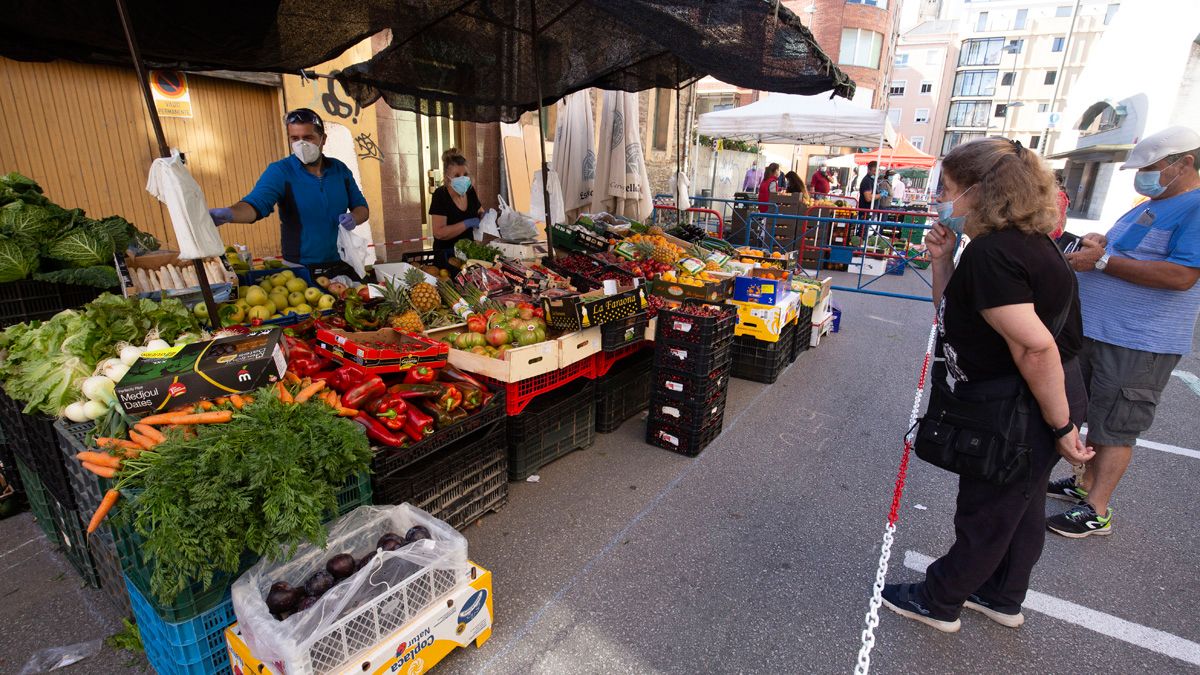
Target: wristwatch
1102 263
1059 433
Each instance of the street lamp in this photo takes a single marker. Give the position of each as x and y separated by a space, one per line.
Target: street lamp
1008 109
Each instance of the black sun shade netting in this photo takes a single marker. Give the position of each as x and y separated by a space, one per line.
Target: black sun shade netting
468 59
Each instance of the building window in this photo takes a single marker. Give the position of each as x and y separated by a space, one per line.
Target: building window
985 52
1058 44
954 139
1001 109
981 22
1051 76
1007 79
976 83
1019 22
969 114
881 4
933 57
1062 11
1034 141
1017 45
1043 107
901 60
897 88
926 87
921 116
918 142
860 48
662 117
1110 12
895 114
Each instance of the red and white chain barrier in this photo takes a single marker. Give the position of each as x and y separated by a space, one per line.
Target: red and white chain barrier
398 242
885 552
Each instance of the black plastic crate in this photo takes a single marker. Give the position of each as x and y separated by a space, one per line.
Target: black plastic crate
623 392
617 335
388 460
681 385
459 485
419 258
108 571
33 439
759 361
683 327
803 337
688 414
8 469
73 540
553 425
39 500
676 438
27 299
87 487
691 357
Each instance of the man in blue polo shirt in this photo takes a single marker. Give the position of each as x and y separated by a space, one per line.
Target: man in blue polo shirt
315 194
1140 298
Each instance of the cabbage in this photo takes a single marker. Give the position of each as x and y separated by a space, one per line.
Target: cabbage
82 248
117 228
33 223
17 261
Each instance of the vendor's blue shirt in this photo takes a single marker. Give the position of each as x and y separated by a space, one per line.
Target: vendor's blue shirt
1150 319
308 206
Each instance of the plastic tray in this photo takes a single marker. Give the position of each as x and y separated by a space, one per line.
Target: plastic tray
193 647
684 327
388 460
517 395
73 541
28 299
87 487
759 361
551 427
619 334
673 437
623 392
604 361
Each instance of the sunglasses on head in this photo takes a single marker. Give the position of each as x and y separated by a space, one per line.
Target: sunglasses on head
304 116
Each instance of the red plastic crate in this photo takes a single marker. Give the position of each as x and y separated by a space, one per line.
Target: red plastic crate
518 394
604 361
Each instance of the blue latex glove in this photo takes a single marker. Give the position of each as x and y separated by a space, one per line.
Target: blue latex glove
346 220
471 223
221 216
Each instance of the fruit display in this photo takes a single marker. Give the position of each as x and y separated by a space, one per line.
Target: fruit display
275 297
494 332
656 247
755 256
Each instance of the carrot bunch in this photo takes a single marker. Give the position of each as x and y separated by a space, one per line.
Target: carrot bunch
310 390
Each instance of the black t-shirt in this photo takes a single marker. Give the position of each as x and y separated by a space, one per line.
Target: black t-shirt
1001 268
867 185
442 204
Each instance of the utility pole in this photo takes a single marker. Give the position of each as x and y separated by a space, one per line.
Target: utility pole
1058 79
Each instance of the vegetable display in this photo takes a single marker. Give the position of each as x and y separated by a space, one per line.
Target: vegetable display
474 250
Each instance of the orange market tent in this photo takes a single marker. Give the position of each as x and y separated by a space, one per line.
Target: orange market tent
903 154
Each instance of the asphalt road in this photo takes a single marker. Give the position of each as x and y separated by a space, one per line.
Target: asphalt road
758 556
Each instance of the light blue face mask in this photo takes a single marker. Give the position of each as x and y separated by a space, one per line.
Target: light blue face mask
461 184
953 223
1147 183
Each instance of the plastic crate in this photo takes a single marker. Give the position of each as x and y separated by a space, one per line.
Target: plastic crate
193 647
388 460
677 438
87 487
73 541
8 468
27 299
256 276
623 392
617 335
458 486
803 331
553 426
517 395
693 358
760 361
688 414
683 386
39 500
33 439
605 361
108 570
683 327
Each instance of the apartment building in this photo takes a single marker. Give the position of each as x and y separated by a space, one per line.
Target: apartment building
919 91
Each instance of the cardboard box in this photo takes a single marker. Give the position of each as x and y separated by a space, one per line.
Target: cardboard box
872 267
811 291
762 286
766 322
711 291
576 312
520 363
162 379
381 351
577 346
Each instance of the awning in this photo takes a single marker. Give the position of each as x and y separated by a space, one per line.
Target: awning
1095 153
809 120
903 154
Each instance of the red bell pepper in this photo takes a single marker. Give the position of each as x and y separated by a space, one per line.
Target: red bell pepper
472 396
379 433
420 375
347 377
444 418
365 392
452 374
417 424
407 391
392 411
450 398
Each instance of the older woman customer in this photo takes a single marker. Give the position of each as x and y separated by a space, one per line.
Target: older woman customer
1008 314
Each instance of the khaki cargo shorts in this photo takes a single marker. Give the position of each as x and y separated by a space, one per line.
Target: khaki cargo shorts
1124 386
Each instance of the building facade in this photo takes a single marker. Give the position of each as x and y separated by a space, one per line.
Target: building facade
858 36
919 91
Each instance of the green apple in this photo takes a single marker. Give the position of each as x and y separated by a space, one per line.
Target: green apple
303 308
201 311
288 275
260 312
312 295
242 304
293 285
256 296
278 280
242 292
326 302
296 298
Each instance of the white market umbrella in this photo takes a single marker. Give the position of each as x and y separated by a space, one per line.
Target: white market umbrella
787 118
622 186
574 155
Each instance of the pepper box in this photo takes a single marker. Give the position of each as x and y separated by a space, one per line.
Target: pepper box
165 378
576 312
381 351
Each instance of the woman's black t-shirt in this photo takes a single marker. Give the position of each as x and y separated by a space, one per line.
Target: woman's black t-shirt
1007 267
442 204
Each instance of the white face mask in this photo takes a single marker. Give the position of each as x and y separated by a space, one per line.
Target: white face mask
306 152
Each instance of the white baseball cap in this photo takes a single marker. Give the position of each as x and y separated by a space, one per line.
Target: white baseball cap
1156 146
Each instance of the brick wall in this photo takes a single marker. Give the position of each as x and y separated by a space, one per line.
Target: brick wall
827 22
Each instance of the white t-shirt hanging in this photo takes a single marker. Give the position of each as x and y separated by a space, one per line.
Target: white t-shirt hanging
172 183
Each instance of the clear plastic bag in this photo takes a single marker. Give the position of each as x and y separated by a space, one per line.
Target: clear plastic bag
362 609
61 657
514 225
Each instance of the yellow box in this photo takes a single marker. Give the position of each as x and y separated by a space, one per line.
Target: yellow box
766 322
455 620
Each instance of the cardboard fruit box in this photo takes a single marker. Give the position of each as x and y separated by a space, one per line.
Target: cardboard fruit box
381 351
711 291
761 286
165 378
577 312
520 363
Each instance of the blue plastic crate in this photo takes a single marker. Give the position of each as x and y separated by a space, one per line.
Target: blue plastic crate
193 647
256 276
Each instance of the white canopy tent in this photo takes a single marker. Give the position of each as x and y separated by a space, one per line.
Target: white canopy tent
809 120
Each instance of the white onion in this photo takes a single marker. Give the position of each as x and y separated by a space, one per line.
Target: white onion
75 412
116 371
157 344
129 354
98 388
94 410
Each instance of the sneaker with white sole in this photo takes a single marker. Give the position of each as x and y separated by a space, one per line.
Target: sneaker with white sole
1081 521
905 600
1004 616
1066 489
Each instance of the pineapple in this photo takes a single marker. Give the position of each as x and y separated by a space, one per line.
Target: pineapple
645 250
655 231
423 295
395 298
664 252
409 321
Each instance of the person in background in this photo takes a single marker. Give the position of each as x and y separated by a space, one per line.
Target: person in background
883 197
768 185
1063 203
1138 286
1008 319
820 181
899 189
795 184
316 195
752 179
454 208
834 181
866 187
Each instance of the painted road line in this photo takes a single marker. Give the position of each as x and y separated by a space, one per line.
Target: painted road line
1189 379
1161 447
1106 624
880 318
